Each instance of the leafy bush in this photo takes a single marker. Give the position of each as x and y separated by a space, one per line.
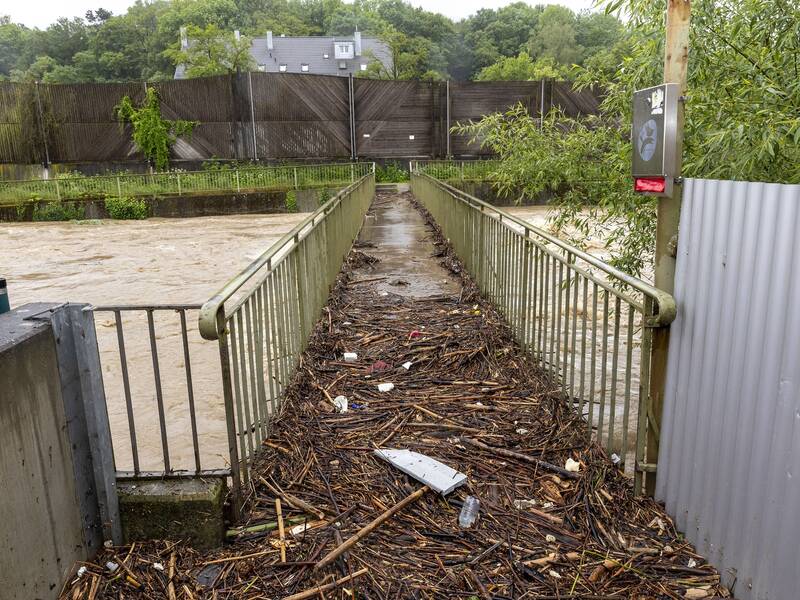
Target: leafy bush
324 196
56 211
126 208
291 201
585 165
391 173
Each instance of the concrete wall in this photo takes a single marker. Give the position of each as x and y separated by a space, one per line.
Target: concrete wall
55 503
40 523
195 205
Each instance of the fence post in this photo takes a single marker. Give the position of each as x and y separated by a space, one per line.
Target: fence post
179 184
58 189
351 100
447 111
119 187
252 113
294 169
238 185
352 173
42 128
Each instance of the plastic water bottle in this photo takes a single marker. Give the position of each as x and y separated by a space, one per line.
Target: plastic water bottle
469 512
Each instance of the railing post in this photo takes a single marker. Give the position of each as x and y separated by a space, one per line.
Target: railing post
58 189
352 172
179 185
238 185
230 417
295 177
119 187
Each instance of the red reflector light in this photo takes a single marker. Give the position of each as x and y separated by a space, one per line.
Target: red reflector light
649 184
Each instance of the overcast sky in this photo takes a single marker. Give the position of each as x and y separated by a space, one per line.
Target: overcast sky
40 13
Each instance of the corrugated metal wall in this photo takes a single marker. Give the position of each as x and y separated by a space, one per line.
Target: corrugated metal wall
729 465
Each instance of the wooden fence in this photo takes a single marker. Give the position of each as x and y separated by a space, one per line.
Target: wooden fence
269 116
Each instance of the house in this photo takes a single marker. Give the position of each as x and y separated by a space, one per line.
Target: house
339 55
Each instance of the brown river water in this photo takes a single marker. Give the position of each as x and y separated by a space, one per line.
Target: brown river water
155 261
160 261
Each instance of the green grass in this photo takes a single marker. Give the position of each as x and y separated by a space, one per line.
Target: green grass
69 186
126 208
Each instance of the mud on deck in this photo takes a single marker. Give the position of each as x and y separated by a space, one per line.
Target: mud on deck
542 532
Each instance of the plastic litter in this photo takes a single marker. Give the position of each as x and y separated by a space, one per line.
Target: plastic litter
385 387
522 431
550 538
81 571
572 466
340 402
524 504
209 574
379 366
414 334
112 566
158 566
350 357
407 365
692 563
469 512
615 459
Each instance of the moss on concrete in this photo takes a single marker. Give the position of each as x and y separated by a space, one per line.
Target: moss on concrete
174 509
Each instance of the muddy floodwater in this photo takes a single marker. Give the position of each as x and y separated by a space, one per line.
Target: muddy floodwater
156 261
184 261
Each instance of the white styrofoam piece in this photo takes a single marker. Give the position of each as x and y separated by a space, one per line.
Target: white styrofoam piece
437 476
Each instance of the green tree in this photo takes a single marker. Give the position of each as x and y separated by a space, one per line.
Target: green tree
522 68
153 134
555 36
212 51
742 120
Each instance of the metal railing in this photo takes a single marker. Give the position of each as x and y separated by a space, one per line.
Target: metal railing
588 324
456 170
180 183
157 383
262 318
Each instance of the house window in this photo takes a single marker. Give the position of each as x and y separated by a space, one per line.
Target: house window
344 49
326 55
363 66
304 68
282 68
262 68
342 64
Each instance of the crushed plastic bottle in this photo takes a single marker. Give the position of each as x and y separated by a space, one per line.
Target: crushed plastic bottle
469 512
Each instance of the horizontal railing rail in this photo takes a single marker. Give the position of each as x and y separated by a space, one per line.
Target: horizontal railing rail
588 324
178 183
456 170
262 318
158 397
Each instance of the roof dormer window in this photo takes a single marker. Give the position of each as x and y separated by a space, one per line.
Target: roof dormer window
282 68
304 68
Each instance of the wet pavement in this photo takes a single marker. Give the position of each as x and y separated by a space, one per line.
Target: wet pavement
395 233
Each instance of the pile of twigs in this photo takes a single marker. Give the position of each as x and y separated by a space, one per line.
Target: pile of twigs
470 399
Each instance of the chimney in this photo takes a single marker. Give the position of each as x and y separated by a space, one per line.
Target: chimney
269 40
184 39
357 38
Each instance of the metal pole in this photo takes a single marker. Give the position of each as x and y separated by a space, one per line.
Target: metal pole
351 104
42 129
447 111
541 106
676 59
252 114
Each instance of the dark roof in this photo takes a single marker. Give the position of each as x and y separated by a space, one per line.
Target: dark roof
311 50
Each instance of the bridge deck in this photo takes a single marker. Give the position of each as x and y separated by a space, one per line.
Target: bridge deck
468 399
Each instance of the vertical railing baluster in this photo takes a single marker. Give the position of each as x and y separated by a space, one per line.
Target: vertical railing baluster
126 386
190 389
159 395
